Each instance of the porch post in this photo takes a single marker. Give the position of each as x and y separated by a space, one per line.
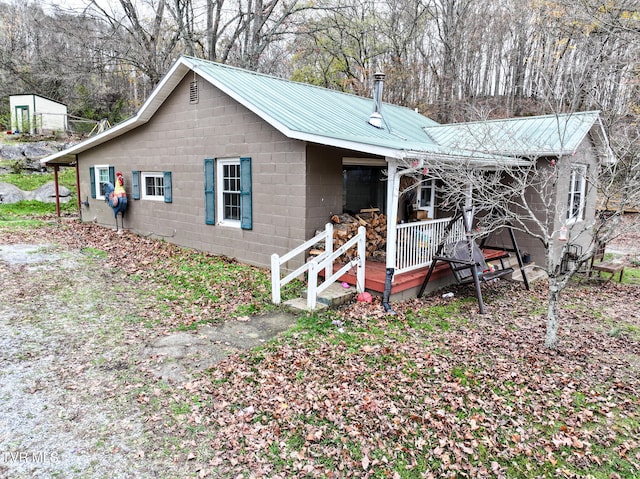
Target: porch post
57 188
393 186
78 188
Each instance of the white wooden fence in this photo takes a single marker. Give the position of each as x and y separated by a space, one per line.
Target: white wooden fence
315 265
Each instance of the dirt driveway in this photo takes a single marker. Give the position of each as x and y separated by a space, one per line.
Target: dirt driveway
75 361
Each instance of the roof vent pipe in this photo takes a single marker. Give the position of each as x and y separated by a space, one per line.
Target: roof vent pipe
378 83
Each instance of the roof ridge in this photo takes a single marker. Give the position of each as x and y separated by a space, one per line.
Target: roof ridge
288 80
516 118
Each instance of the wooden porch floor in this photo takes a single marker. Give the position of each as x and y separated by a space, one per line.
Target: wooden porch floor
375 274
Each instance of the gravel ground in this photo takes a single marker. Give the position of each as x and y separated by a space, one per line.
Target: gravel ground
70 366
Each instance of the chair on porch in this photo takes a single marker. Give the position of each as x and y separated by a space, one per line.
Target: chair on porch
597 264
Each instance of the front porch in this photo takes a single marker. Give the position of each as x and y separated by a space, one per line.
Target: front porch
417 244
406 284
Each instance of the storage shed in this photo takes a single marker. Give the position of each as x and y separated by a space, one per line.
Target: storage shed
35 114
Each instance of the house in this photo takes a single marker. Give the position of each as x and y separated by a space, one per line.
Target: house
35 114
245 165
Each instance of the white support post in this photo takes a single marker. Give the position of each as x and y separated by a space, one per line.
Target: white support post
362 251
393 186
328 247
312 285
275 278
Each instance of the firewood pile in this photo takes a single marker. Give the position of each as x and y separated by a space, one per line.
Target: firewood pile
345 227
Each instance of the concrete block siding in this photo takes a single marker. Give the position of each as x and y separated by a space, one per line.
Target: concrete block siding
288 177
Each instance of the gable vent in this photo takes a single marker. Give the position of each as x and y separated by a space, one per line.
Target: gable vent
193 92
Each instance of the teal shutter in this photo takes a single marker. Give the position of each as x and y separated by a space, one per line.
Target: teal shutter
135 185
92 177
246 212
168 190
209 198
112 175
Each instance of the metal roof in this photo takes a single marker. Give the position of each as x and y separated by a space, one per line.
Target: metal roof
546 135
303 108
319 115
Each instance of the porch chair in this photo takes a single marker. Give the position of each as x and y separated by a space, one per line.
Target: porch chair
598 264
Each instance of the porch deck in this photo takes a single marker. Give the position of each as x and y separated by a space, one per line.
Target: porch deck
405 285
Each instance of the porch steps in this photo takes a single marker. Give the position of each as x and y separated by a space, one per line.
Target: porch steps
335 295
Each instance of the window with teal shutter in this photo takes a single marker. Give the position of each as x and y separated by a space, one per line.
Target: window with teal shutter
135 185
100 175
246 207
168 190
209 192
92 177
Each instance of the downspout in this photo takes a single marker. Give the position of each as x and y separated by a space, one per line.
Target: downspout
393 195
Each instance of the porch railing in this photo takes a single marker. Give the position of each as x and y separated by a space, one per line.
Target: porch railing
417 242
315 265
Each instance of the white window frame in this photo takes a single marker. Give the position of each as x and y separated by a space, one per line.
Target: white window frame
143 185
577 193
221 191
428 186
98 169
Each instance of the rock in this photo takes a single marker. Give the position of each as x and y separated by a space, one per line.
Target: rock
39 149
47 193
10 152
10 193
18 151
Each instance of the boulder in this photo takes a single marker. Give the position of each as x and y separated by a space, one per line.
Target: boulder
10 193
47 193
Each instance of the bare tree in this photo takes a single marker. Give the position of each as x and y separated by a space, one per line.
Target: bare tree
548 198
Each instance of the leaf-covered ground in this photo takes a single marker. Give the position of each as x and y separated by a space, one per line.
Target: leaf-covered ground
435 391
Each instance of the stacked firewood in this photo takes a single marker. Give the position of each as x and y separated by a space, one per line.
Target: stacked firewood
345 227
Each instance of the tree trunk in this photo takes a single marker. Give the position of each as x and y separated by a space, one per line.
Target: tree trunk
551 340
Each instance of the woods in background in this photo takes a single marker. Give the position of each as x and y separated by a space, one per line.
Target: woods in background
452 59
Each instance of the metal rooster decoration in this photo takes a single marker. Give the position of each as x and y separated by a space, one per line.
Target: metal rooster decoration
116 196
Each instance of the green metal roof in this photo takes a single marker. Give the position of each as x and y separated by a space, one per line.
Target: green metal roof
550 135
310 113
304 108
314 114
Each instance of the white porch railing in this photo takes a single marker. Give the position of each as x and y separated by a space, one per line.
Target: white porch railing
315 265
417 242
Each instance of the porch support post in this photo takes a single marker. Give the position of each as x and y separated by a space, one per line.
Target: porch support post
78 189
57 188
393 193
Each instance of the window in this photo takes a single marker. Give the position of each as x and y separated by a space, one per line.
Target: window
576 196
152 185
227 192
363 187
426 197
101 175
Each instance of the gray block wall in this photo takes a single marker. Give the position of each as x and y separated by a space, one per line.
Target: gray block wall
292 194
